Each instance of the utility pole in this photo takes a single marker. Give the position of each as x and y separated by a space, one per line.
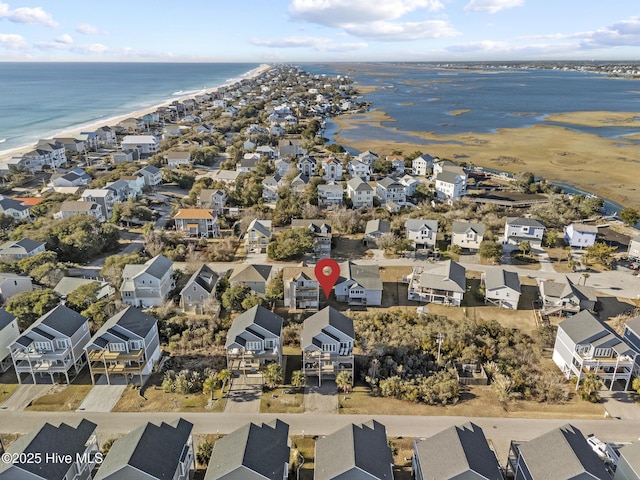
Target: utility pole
439 341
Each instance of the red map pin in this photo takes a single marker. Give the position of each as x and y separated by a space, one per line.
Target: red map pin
327 272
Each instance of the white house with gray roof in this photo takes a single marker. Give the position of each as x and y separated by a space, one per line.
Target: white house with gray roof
321 230
519 229
255 337
330 195
359 285
126 344
633 253
566 297
9 333
147 145
459 452
389 189
255 277
561 453
52 345
356 451
252 452
14 208
467 235
13 251
421 232
451 185
584 344
148 284
580 235
199 289
152 175
441 282
327 342
12 284
501 288
422 164
74 450
151 452
374 230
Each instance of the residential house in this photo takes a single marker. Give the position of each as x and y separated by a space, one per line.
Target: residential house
459 452
52 345
254 276
290 147
70 208
586 345
14 208
135 183
104 197
9 333
360 193
501 288
518 229
441 282
442 165
281 166
634 248
51 153
580 235
355 452
64 452
256 452
127 344
12 284
421 232
566 297
248 163
151 452
147 145
628 467
374 230
66 285
197 222
14 251
132 124
106 136
332 170
389 189
357 168
451 186
213 199
122 191
299 183
321 230
125 156
359 285
152 175
258 236
148 284
560 453
467 235
199 289
327 342
270 186
74 178
410 184
72 145
330 195
632 338
307 166
422 165
397 164
368 157
301 288
254 339
175 159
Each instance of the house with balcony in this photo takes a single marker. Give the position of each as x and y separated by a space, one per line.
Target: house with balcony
106 136
74 450
12 284
53 345
299 183
290 147
74 178
14 208
356 451
301 288
410 184
467 235
389 189
519 229
105 197
121 190
422 233
562 298
148 284
360 193
441 282
199 289
307 166
254 339
422 165
321 230
152 176
501 288
24 248
580 235
359 169
127 344
135 184
9 333
632 337
459 452
332 170
560 453
253 451
330 196
254 276
270 186
197 223
368 157
151 452
327 342
586 345
258 236
147 145
70 208
359 285
213 199
451 185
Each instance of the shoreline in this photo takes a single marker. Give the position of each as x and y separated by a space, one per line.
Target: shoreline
115 119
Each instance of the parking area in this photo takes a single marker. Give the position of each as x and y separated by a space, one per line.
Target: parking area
244 394
320 399
24 395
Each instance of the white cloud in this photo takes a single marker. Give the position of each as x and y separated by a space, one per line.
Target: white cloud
27 15
490 49
65 39
402 31
492 6
316 43
12 41
622 33
88 29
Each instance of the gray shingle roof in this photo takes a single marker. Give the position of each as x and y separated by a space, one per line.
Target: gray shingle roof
584 228
377 227
634 325
62 319
456 451
359 185
130 319
367 276
26 244
154 450
585 328
448 176
205 277
257 315
463 227
158 266
5 318
250 273
314 325
525 222
252 448
568 288
388 182
499 277
355 449
447 275
416 224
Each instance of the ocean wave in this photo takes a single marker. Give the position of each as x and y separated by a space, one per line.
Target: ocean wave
2 140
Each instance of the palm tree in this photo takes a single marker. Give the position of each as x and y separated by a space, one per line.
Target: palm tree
273 375
591 383
224 376
344 381
524 247
210 385
585 275
298 379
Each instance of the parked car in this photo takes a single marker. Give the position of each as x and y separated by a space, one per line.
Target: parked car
634 265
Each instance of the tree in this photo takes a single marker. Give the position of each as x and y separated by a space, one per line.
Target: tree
298 379
525 247
490 250
210 385
275 288
114 265
290 244
599 252
629 215
552 238
84 296
636 384
585 275
233 297
344 380
590 384
203 455
29 306
273 375
251 301
224 376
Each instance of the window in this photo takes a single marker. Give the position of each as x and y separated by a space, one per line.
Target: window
117 347
42 346
254 345
328 347
136 344
62 343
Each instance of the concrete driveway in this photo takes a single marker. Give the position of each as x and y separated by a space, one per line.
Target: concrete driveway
24 395
102 398
244 394
323 399
620 405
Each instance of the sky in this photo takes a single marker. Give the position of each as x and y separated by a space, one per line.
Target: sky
268 31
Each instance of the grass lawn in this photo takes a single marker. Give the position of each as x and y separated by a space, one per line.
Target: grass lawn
276 401
477 401
6 389
66 398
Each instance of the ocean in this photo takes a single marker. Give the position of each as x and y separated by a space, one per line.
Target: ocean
39 100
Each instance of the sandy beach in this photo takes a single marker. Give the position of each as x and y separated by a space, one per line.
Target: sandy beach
112 121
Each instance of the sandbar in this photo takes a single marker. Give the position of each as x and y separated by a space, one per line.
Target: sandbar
597 119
